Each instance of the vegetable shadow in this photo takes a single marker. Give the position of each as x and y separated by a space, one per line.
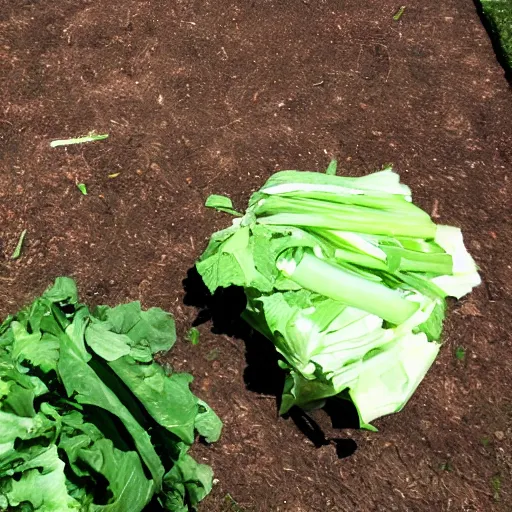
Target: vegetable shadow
262 373
498 50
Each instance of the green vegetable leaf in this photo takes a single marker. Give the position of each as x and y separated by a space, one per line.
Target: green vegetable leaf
460 353
63 290
186 478
207 423
222 204
233 264
39 350
156 390
42 484
86 387
120 319
157 327
123 470
107 344
388 378
146 332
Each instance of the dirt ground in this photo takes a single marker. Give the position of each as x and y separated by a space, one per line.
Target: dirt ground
203 96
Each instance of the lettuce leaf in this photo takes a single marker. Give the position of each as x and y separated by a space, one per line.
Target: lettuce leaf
88 421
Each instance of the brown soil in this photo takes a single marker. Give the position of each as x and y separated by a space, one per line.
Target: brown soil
213 96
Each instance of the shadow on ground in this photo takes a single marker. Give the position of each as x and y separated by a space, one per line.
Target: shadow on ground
262 373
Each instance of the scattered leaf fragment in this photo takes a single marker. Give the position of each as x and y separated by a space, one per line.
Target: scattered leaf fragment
232 504
221 204
446 466
91 137
460 353
17 251
82 188
496 487
331 169
212 355
399 13
193 336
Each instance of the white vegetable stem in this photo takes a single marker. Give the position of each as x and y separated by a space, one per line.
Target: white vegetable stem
331 281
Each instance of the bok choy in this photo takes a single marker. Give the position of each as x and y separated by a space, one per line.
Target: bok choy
347 278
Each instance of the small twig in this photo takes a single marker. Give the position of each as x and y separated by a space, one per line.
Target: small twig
226 125
435 209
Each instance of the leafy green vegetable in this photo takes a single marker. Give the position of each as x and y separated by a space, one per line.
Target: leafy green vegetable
348 279
88 421
186 479
42 483
499 16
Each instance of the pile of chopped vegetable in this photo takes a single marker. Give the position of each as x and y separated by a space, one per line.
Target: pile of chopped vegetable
348 279
499 16
88 421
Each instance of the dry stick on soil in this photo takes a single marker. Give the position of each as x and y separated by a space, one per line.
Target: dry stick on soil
435 209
